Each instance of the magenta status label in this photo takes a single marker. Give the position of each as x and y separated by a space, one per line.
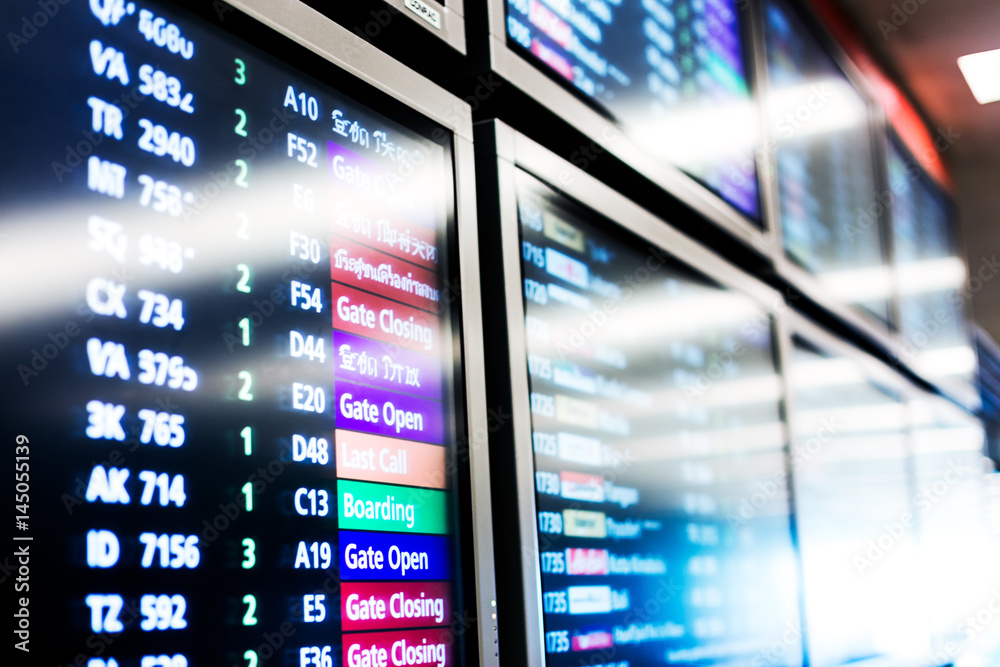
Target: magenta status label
399 648
376 317
395 604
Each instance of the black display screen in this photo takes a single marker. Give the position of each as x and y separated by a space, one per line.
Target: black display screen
229 355
673 74
661 493
831 213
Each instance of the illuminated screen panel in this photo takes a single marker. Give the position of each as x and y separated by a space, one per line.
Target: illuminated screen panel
672 73
230 370
857 522
931 274
662 510
952 495
831 216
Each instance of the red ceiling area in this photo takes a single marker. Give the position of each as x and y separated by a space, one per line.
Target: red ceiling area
900 111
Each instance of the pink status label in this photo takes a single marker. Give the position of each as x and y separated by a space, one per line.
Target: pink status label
376 317
385 605
399 648
373 458
592 640
587 561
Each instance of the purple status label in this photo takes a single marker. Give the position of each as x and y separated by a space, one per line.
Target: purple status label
387 413
411 197
386 365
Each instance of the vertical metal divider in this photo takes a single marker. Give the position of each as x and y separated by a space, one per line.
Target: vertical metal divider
807 283
767 166
511 452
913 472
880 155
520 397
475 390
784 350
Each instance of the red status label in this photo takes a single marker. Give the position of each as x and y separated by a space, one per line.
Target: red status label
375 271
399 648
384 605
550 23
587 561
375 317
372 225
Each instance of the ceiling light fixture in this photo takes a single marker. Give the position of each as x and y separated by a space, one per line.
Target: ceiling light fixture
982 72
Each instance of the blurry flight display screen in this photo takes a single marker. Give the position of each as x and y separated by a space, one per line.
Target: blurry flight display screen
229 364
672 73
831 218
857 522
662 510
931 275
957 543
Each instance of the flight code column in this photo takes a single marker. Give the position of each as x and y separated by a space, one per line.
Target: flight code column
141 544
392 498
593 533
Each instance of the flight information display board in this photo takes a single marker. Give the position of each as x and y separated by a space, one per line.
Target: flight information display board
930 273
958 546
857 517
229 350
831 215
662 511
673 74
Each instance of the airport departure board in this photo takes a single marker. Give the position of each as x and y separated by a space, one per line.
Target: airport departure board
930 272
832 214
662 508
673 74
230 350
859 514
